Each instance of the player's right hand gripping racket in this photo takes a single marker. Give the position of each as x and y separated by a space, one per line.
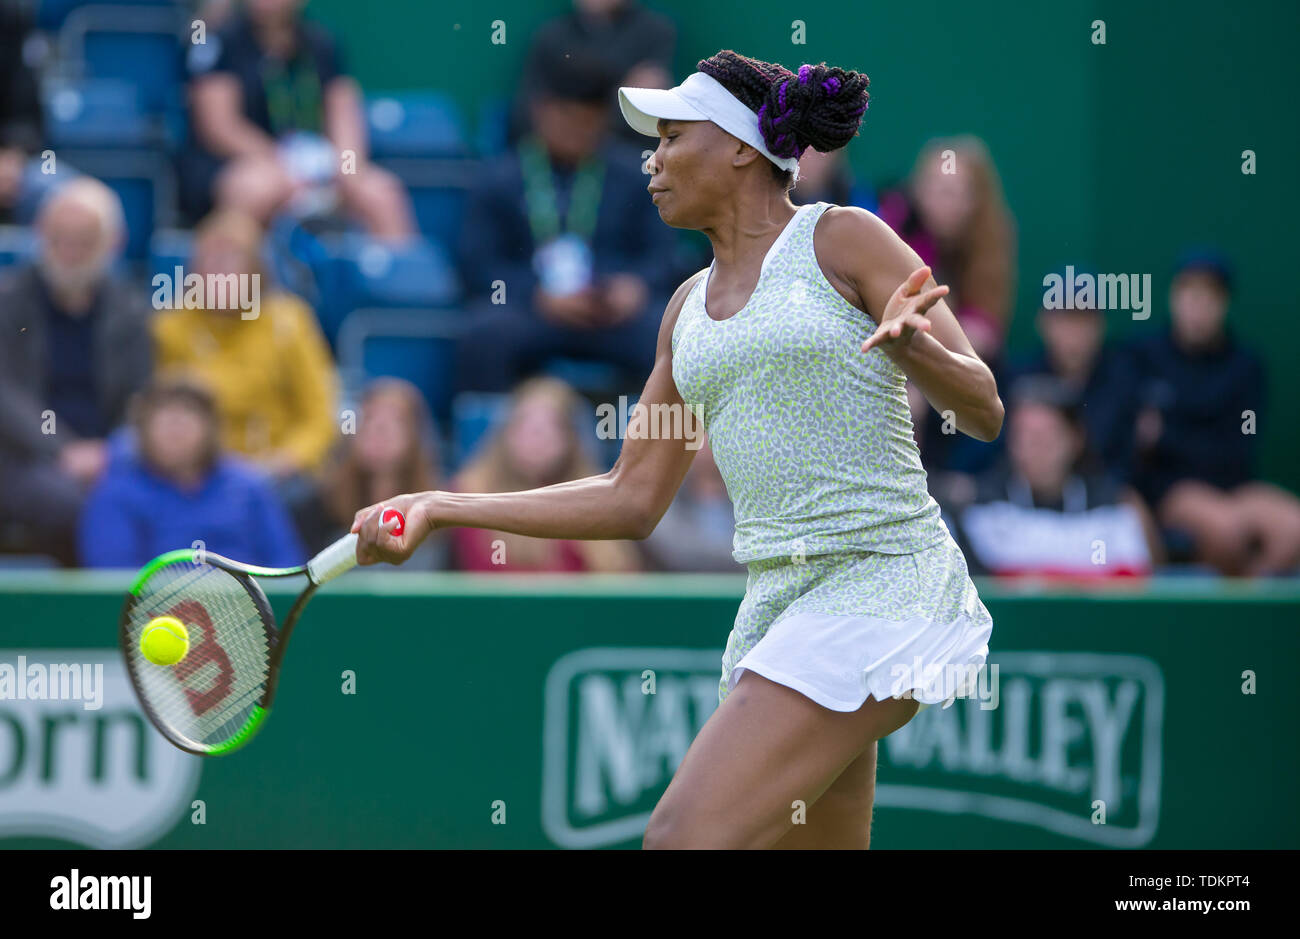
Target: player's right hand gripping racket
219 694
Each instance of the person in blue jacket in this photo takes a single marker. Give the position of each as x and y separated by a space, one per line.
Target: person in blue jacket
169 485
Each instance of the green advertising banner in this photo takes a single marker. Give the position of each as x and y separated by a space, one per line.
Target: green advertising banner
450 711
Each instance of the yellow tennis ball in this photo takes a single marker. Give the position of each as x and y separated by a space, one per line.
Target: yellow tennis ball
165 640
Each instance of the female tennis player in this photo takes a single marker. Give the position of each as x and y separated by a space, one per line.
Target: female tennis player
795 344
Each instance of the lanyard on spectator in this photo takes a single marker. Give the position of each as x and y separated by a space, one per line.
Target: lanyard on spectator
293 97
543 205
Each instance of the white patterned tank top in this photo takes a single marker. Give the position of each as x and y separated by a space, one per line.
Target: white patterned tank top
812 437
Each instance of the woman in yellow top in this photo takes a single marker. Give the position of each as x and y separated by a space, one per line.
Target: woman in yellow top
262 354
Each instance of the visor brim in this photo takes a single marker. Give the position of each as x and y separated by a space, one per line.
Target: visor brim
643 108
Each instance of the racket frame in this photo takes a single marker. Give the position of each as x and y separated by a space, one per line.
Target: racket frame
277 636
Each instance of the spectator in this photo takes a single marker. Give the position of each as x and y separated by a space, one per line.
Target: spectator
953 214
538 446
562 252
173 487
274 116
697 532
76 346
394 450
1103 377
1203 399
21 125
827 177
1048 510
272 375
636 45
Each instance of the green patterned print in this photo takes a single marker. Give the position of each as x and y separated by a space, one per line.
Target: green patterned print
812 437
833 517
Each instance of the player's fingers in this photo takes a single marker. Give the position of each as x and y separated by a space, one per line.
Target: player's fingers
361 516
915 281
930 298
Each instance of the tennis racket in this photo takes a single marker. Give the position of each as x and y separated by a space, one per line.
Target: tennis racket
216 698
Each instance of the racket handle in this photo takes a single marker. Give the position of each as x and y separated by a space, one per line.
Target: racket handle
338 558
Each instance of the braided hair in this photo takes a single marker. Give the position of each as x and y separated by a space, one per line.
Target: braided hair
819 106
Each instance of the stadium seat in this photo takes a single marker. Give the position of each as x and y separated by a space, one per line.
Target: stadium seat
137 43
169 248
414 124
96 112
474 414
17 244
587 377
438 189
438 213
417 345
355 271
493 127
144 181
51 14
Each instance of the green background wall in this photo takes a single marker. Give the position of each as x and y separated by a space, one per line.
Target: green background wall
1115 155
529 690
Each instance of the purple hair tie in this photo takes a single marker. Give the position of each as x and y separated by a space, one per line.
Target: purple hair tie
803 74
832 85
780 95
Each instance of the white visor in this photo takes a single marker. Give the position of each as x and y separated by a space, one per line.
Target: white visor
699 98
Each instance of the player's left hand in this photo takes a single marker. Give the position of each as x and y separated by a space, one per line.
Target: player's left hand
904 314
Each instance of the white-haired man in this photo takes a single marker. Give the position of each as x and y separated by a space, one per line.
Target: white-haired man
76 346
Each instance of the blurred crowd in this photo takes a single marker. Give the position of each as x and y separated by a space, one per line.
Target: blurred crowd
427 313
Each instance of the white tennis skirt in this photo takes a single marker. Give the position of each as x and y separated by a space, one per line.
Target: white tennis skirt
840 628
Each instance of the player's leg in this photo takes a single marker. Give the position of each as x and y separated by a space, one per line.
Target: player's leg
765 747
841 818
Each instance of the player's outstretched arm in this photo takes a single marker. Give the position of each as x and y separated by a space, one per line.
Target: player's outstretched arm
626 502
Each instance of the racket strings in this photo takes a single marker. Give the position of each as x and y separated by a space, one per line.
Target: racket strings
209 696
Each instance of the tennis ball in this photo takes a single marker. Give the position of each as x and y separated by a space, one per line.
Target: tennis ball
165 641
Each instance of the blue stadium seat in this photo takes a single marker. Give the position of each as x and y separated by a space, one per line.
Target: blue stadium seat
438 213
417 345
51 14
169 248
143 180
414 124
493 126
136 43
17 244
474 414
96 112
438 189
357 271
589 377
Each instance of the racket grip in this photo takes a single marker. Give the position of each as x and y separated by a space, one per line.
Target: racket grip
338 558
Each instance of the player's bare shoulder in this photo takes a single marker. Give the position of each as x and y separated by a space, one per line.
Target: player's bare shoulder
860 255
849 228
